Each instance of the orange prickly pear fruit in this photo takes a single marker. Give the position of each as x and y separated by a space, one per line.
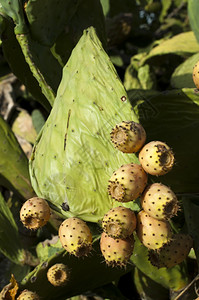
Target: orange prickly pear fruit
119 222
159 201
127 183
58 274
172 253
75 236
128 136
35 213
152 233
116 252
156 158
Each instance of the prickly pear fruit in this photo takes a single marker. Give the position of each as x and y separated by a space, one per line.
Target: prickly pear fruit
159 201
28 295
35 213
75 236
119 222
58 274
116 252
172 253
152 233
127 183
156 158
196 75
128 136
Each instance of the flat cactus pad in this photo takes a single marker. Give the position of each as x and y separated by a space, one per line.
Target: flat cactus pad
73 157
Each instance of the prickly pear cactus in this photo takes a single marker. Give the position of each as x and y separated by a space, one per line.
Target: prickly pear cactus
73 157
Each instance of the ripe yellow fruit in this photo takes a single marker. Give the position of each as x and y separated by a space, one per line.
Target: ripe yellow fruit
75 236
128 136
195 75
58 274
156 158
35 213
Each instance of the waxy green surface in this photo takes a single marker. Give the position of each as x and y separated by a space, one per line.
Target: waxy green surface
73 157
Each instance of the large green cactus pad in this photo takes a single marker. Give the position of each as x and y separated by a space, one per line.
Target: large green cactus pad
73 157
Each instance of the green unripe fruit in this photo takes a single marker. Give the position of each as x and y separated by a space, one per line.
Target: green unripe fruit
152 233
119 222
116 252
127 183
159 201
128 136
156 158
75 236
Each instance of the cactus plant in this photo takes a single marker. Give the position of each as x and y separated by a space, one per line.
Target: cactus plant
81 166
73 157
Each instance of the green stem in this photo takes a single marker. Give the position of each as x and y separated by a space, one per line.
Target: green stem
24 42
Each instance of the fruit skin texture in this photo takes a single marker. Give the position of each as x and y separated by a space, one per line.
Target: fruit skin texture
159 201
75 236
196 75
172 253
35 213
152 233
58 274
116 252
128 136
28 295
127 183
156 158
119 222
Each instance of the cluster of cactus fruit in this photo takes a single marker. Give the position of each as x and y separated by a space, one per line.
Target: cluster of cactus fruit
151 225
159 203
117 241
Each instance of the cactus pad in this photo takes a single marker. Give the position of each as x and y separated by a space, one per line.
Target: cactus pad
73 157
